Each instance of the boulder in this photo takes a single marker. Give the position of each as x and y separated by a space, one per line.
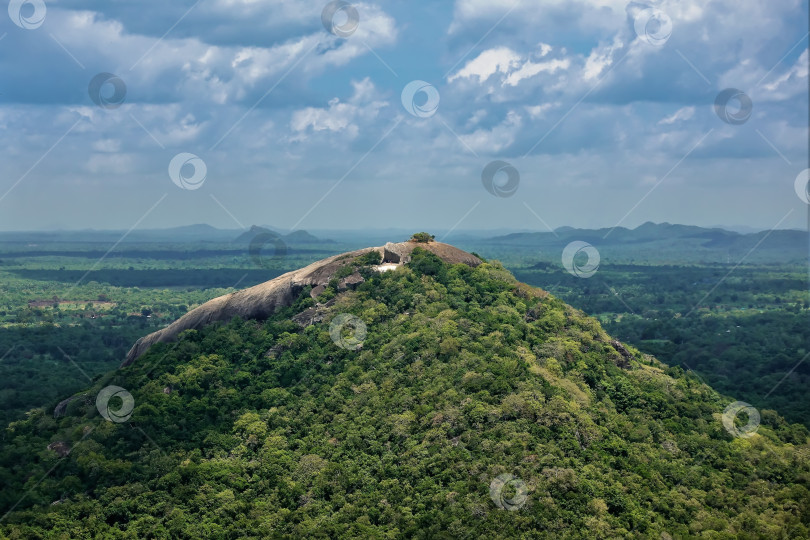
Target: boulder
61 407
397 253
350 282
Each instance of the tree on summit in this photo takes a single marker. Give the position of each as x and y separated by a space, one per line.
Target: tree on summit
422 238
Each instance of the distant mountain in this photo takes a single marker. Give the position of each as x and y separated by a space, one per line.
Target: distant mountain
661 240
301 237
295 237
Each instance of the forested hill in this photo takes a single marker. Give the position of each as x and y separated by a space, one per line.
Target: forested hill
433 400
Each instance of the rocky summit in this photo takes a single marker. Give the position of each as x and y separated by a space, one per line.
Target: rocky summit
266 298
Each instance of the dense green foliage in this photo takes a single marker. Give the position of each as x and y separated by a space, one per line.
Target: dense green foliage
743 329
258 430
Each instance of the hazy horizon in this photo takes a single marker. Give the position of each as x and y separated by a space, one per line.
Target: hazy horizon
742 229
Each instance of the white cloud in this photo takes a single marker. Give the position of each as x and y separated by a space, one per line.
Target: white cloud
530 69
791 82
539 111
512 67
188 68
680 115
486 64
339 116
600 58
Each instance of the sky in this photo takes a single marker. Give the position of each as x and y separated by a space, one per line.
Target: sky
453 115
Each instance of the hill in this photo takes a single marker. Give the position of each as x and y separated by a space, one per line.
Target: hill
294 237
665 241
432 398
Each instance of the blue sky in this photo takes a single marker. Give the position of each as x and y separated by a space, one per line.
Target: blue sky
606 110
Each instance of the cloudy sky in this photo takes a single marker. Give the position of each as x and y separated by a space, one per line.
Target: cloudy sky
303 114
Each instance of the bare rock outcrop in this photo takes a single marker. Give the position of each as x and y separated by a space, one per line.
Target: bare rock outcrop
396 253
261 301
61 407
310 316
61 448
622 350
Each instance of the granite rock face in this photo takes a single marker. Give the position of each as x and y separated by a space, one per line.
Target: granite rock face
261 301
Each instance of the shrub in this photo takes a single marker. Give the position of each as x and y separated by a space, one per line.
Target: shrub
372 257
422 237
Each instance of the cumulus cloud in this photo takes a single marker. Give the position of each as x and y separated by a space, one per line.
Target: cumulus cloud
489 62
187 68
601 57
539 111
338 116
530 69
512 67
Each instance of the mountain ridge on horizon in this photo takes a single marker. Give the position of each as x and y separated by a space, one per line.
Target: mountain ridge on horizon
200 228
